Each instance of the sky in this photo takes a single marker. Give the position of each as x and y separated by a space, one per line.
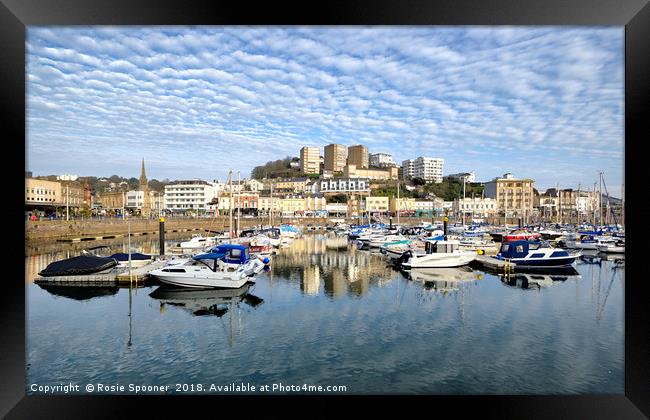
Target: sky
545 103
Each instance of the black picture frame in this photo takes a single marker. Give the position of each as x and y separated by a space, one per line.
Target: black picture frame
15 15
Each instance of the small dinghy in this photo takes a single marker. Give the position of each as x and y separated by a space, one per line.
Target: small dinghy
76 266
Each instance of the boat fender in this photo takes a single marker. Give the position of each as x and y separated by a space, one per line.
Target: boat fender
266 261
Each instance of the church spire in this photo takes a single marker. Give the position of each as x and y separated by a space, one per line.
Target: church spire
143 176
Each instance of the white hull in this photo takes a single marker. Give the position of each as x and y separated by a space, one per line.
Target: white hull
202 283
435 260
613 249
200 276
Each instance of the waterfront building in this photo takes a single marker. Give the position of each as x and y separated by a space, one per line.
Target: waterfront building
475 207
39 192
334 160
246 201
514 197
309 160
292 206
267 203
189 195
286 185
358 155
351 171
377 205
112 201
408 168
467 176
344 185
72 196
429 169
337 209
381 160
405 206
425 208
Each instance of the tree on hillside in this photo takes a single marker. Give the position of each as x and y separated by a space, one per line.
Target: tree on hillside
418 181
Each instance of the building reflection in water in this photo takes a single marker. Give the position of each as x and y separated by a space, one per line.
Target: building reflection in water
328 259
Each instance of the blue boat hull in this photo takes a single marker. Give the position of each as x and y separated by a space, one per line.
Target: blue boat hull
544 262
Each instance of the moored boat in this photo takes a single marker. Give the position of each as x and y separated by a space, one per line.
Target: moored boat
80 265
525 254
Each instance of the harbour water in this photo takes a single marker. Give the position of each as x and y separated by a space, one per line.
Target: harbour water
327 314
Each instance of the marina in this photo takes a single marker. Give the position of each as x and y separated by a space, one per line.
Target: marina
328 312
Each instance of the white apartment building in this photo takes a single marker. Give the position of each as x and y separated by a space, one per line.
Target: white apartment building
134 199
381 160
429 169
477 206
345 185
408 168
192 194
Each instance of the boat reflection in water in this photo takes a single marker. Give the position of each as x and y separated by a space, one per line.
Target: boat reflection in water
537 281
447 279
78 292
204 301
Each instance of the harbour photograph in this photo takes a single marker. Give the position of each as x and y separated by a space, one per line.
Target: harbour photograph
335 210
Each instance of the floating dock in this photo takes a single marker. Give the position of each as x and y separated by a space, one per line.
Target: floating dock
117 276
494 264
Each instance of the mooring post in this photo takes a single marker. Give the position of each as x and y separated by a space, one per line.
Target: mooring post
161 231
444 226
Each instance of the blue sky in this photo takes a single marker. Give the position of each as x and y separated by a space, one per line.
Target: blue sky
541 102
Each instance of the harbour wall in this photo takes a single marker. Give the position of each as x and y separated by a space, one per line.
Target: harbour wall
62 229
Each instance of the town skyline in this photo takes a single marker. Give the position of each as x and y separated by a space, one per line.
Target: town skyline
540 102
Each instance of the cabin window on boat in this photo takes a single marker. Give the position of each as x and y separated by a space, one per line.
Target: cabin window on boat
519 248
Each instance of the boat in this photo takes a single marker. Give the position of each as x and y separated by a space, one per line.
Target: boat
526 254
229 269
198 241
520 234
612 246
80 265
584 241
137 259
438 254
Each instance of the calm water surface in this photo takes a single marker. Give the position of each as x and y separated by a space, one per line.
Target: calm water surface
330 315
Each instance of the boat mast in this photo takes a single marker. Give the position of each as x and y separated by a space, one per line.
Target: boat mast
557 192
398 202
238 201
230 204
463 207
271 207
600 196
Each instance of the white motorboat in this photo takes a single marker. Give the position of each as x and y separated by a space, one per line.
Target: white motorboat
198 241
212 270
612 246
439 254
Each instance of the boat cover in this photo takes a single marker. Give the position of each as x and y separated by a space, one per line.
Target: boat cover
83 264
123 256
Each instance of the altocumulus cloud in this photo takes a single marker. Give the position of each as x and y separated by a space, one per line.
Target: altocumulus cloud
541 102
